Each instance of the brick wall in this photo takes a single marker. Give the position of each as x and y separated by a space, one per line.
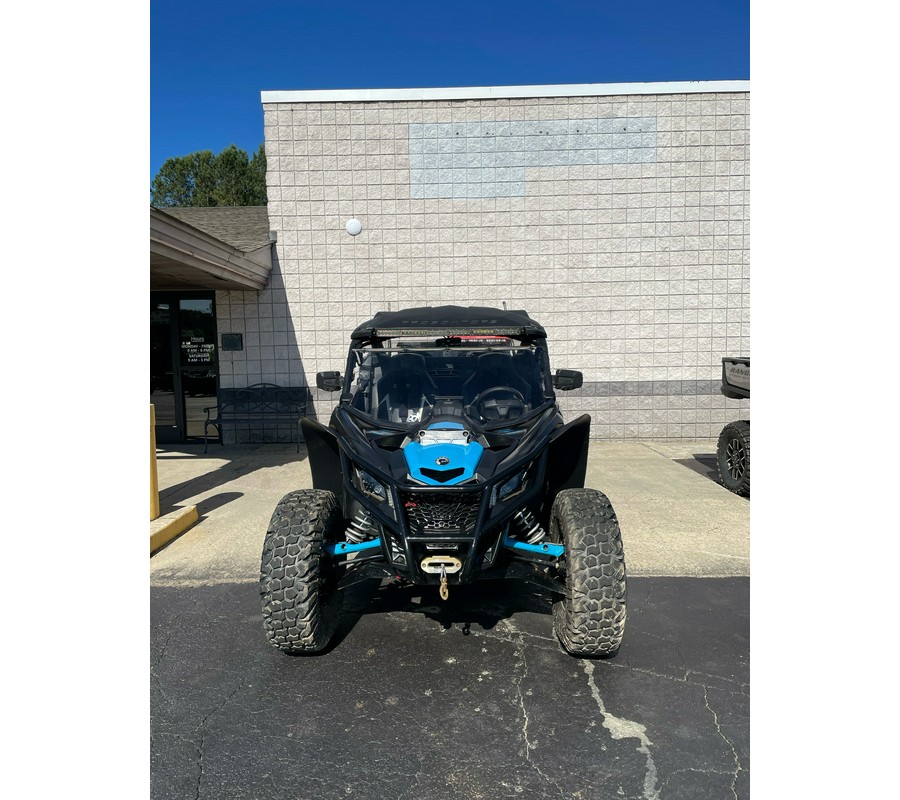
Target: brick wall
620 223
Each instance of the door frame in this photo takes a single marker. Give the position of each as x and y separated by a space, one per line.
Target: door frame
177 433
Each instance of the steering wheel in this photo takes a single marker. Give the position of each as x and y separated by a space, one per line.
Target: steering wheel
502 408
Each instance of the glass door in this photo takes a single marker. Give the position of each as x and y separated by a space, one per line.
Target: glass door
184 369
199 363
162 369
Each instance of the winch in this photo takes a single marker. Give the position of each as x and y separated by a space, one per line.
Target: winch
441 565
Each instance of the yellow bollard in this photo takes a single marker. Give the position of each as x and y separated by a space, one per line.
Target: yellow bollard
175 522
154 478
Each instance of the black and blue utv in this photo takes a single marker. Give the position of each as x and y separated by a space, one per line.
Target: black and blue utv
446 461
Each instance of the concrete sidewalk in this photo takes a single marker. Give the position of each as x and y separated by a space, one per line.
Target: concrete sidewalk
676 520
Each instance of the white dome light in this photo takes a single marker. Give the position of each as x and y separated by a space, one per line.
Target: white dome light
354 226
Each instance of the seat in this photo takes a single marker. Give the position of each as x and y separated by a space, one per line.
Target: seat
494 369
404 387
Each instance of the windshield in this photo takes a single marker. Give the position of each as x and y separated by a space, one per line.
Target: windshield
409 384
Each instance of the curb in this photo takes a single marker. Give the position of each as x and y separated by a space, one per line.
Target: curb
167 527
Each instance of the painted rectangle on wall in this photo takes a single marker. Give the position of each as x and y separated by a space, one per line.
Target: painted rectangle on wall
490 159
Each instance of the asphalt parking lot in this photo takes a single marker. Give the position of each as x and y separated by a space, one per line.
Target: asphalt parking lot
471 698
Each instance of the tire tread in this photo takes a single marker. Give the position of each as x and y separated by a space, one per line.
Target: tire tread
296 617
590 620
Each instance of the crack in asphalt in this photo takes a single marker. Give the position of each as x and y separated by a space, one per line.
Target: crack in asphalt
411 792
172 625
202 724
523 663
685 770
737 761
651 673
620 728
159 686
646 602
156 662
743 686
543 647
493 633
740 689
740 686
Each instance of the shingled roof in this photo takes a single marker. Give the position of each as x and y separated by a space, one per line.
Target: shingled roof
243 227
225 248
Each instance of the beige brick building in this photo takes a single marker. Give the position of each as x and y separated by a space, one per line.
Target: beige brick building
616 215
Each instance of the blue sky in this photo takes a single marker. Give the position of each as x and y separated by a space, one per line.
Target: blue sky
209 61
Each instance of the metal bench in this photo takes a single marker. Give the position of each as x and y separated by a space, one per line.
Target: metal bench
259 403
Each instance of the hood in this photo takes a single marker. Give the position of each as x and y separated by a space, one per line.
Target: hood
443 454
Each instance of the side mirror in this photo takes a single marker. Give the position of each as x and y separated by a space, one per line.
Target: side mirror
566 379
329 381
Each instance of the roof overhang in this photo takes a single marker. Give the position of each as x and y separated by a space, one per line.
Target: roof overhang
183 257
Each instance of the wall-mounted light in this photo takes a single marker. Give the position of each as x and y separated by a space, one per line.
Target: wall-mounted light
354 226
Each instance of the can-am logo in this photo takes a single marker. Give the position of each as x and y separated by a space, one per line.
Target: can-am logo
442 461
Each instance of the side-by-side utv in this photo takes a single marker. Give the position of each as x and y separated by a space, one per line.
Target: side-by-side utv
446 461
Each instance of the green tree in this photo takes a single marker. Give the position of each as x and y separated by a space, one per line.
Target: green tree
204 179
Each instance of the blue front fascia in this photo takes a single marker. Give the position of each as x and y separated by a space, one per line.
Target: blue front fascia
466 456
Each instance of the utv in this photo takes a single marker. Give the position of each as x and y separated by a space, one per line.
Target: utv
446 461
733 451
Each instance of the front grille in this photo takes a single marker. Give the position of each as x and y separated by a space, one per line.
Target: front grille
442 513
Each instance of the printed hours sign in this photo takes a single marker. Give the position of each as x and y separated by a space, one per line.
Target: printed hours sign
197 351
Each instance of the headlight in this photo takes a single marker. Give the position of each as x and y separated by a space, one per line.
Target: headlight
512 486
515 485
371 486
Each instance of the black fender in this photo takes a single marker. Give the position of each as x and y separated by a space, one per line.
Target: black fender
567 456
324 457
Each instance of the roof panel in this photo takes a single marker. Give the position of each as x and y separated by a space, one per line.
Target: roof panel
449 319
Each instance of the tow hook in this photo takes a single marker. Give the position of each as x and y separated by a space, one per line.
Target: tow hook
442 565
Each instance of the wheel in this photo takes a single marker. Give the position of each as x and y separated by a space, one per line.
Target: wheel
297 583
733 457
590 619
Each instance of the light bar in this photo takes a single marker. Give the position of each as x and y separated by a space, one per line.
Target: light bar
385 333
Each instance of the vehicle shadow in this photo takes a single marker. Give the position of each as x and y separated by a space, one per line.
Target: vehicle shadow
705 464
482 604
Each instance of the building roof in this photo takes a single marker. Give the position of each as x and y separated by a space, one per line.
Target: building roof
245 228
500 92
